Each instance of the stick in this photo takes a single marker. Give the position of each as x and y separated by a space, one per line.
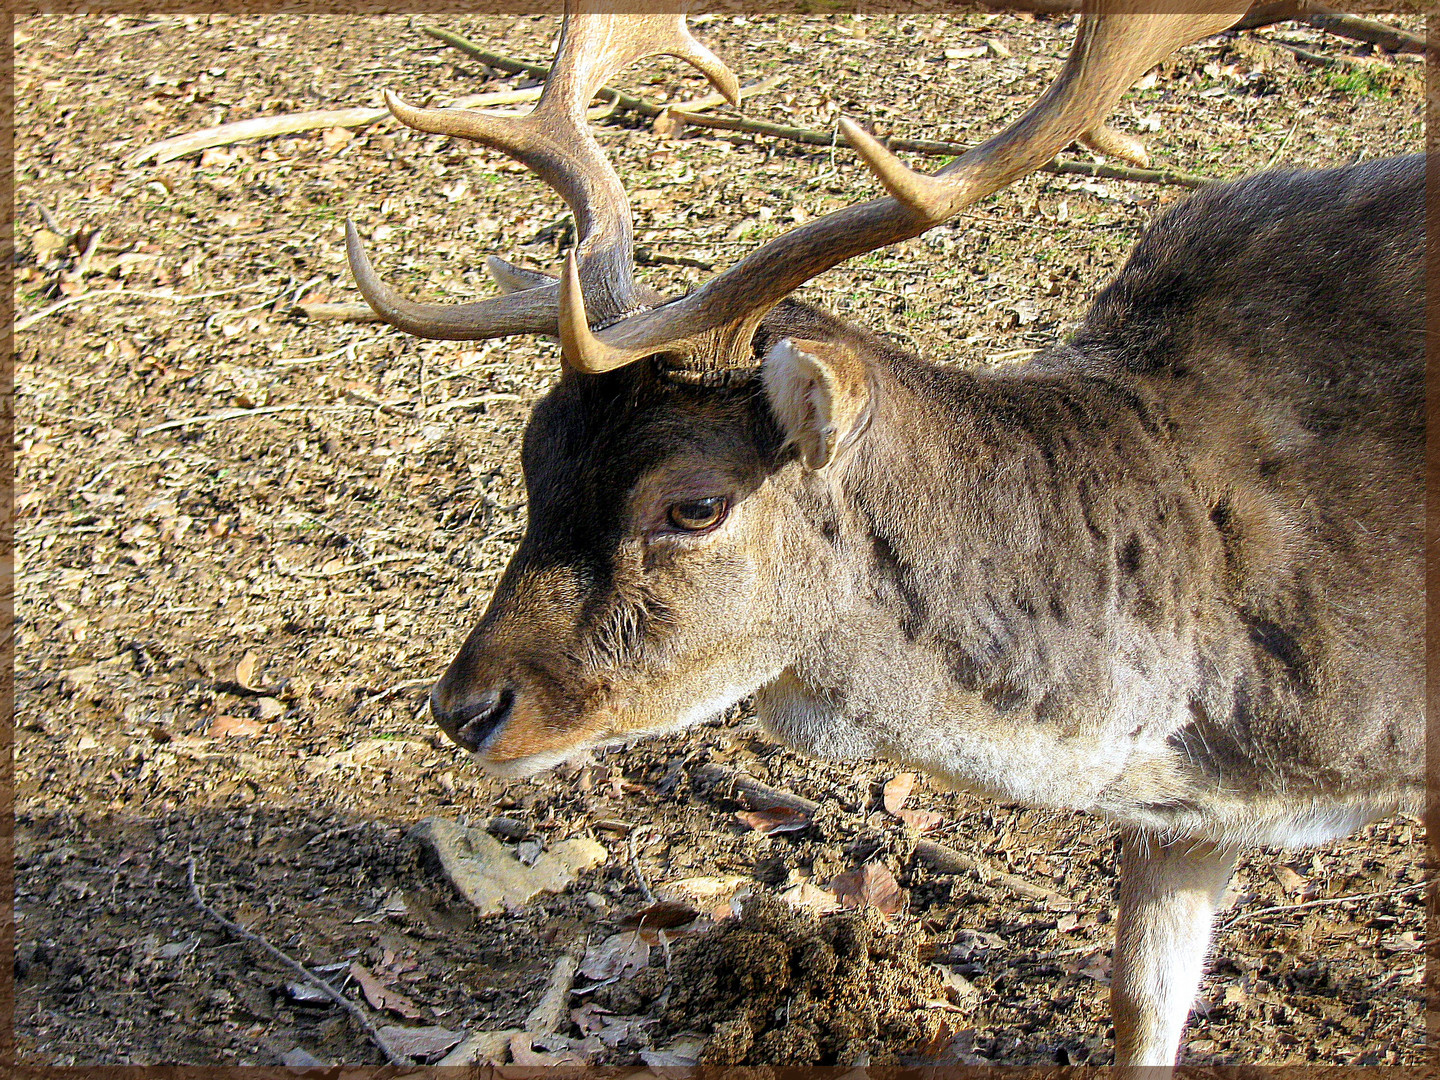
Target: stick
221 417
617 98
382 560
938 857
936 148
635 865
1313 59
550 1009
349 312
1390 38
106 294
1326 902
300 969
264 127
50 222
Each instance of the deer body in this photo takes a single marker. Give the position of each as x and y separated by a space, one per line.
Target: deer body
1170 571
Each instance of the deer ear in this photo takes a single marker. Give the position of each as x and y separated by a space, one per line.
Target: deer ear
820 394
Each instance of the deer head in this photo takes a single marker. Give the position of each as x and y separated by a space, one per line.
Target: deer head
687 528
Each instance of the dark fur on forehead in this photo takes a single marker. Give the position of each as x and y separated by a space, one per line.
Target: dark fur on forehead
593 436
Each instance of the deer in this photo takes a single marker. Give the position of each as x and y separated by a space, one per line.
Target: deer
1168 571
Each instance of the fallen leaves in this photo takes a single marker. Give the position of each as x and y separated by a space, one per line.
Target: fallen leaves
661 915
811 897
774 819
421 1043
385 998
894 796
715 897
616 957
871 885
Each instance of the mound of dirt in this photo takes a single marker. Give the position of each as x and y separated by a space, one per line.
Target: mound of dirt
781 986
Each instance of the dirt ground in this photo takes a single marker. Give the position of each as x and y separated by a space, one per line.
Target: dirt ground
226 627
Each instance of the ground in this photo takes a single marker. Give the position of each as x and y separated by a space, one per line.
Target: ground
226 627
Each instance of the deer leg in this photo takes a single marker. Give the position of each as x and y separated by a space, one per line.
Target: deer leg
1168 893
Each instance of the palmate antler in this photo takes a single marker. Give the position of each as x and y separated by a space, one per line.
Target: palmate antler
605 320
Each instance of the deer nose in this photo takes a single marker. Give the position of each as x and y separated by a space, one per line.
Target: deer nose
470 720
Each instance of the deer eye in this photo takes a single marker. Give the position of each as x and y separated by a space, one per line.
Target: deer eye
699 514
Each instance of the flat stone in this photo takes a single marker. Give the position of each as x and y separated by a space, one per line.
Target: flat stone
487 873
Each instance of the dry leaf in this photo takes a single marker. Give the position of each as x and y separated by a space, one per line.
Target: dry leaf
616 957
245 671
806 894
384 997
421 1043
776 819
522 1054
661 915
920 820
234 727
897 791
873 885
669 124
1289 880
715 896
1406 942
334 138
1094 965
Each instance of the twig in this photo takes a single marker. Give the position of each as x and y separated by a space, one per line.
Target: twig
617 98
469 402
1285 909
300 969
938 857
355 311
221 417
635 865
383 406
257 127
645 256
49 219
83 266
1283 143
265 127
936 148
1313 59
551 1008
1389 38
106 294
382 560
408 684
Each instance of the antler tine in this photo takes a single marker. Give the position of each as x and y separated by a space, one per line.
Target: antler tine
555 142
1113 47
528 312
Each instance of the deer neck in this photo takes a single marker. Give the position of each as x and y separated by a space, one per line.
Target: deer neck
987 578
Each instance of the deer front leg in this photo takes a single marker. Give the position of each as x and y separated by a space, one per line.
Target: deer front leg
1168 893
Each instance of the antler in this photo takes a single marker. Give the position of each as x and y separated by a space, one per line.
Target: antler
712 326
554 141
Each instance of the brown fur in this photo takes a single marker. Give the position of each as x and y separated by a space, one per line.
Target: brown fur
1170 571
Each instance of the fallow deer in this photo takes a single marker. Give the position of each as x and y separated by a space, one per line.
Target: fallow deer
1169 571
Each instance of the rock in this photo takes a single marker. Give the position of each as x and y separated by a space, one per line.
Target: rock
481 1048
489 876
299 1058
